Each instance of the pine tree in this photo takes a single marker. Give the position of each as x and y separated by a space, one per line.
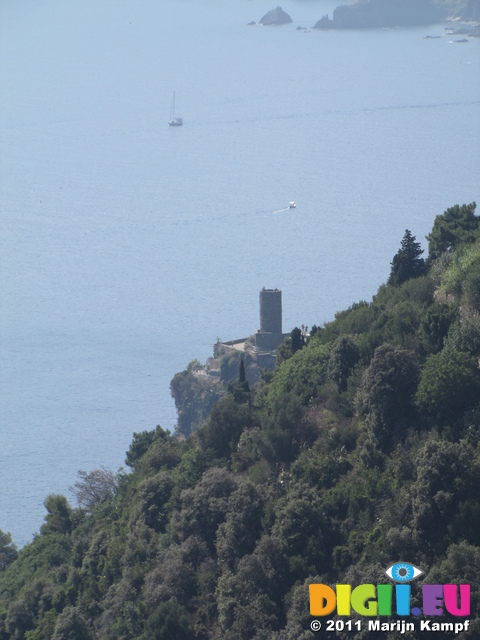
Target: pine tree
407 262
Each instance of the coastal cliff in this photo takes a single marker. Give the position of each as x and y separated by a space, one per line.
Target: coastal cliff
385 13
467 11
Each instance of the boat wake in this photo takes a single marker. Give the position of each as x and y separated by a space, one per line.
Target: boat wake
281 210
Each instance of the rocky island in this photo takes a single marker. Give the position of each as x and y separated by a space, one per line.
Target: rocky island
276 17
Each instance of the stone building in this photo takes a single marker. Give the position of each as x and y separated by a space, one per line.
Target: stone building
269 337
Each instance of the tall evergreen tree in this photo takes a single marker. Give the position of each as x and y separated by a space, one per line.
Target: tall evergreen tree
241 373
407 262
241 390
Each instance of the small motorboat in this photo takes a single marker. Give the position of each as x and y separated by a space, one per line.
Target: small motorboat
292 205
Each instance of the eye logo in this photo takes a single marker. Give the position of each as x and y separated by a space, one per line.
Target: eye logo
403 572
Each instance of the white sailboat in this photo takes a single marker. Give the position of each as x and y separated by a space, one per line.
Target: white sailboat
174 122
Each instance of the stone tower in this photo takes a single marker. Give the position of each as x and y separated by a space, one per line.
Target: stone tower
270 336
270 311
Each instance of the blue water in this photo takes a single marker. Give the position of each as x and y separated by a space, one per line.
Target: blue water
128 247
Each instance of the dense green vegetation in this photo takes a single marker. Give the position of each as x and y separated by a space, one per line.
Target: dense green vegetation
361 449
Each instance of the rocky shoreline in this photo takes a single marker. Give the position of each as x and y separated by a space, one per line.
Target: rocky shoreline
464 16
383 14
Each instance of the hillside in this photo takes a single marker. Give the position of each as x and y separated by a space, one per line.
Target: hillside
359 450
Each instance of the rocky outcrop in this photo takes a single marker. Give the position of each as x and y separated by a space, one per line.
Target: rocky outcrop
276 16
367 14
471 32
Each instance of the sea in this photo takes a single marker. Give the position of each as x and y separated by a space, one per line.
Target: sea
128 247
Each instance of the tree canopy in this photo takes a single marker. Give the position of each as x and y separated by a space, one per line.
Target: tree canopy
457 225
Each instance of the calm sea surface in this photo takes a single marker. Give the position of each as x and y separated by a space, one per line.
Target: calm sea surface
128 247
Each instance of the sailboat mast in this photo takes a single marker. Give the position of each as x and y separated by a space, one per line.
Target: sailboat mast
174 122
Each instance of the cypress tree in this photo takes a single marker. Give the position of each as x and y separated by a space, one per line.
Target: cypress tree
407 262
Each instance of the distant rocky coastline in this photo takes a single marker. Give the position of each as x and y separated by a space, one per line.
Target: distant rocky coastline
471 32
463 15
383 14
467 13
367 14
